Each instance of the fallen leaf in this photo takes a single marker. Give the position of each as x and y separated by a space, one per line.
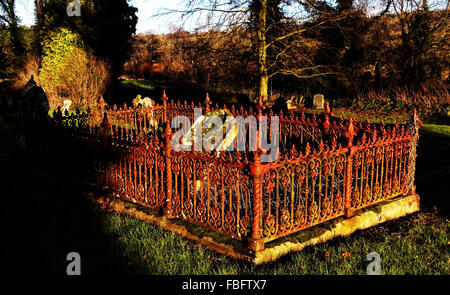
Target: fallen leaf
346 254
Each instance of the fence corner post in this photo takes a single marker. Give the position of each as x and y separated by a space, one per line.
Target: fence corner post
168 212
256 241
348 210
413 128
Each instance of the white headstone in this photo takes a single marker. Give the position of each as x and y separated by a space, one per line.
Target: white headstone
319 101
66 106
147 102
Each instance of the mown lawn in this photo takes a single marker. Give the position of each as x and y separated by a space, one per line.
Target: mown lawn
43 220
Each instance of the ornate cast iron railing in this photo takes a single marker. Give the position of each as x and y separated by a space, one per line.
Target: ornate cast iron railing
327 167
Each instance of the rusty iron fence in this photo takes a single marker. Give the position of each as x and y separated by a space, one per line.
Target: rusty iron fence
327 167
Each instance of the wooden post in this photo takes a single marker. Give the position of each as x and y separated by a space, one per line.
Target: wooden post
168 212
256 241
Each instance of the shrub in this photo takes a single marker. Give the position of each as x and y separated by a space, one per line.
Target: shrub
70 71
84 78
30 68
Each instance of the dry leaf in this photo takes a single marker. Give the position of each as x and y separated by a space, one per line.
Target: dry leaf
347 254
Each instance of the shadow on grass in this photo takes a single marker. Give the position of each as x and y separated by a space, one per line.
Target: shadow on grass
433 168
42 220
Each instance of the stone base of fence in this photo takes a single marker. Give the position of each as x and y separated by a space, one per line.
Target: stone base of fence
361 219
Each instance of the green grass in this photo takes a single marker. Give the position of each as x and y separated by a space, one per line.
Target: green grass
441 131
373 116
178 90
413 245
139 84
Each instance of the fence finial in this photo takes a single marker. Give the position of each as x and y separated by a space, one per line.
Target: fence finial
260 106
326 123
207 102
350 132
327 109
101 104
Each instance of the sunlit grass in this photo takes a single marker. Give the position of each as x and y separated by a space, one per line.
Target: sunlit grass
417 244
438 130
139 84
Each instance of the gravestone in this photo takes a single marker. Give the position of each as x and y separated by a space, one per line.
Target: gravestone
66 106
146 102
32 113
319 101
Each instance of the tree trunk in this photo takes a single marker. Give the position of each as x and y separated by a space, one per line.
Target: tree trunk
262 51
264 86
39 15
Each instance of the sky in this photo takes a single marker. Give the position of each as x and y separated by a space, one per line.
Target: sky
148 21
147 9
